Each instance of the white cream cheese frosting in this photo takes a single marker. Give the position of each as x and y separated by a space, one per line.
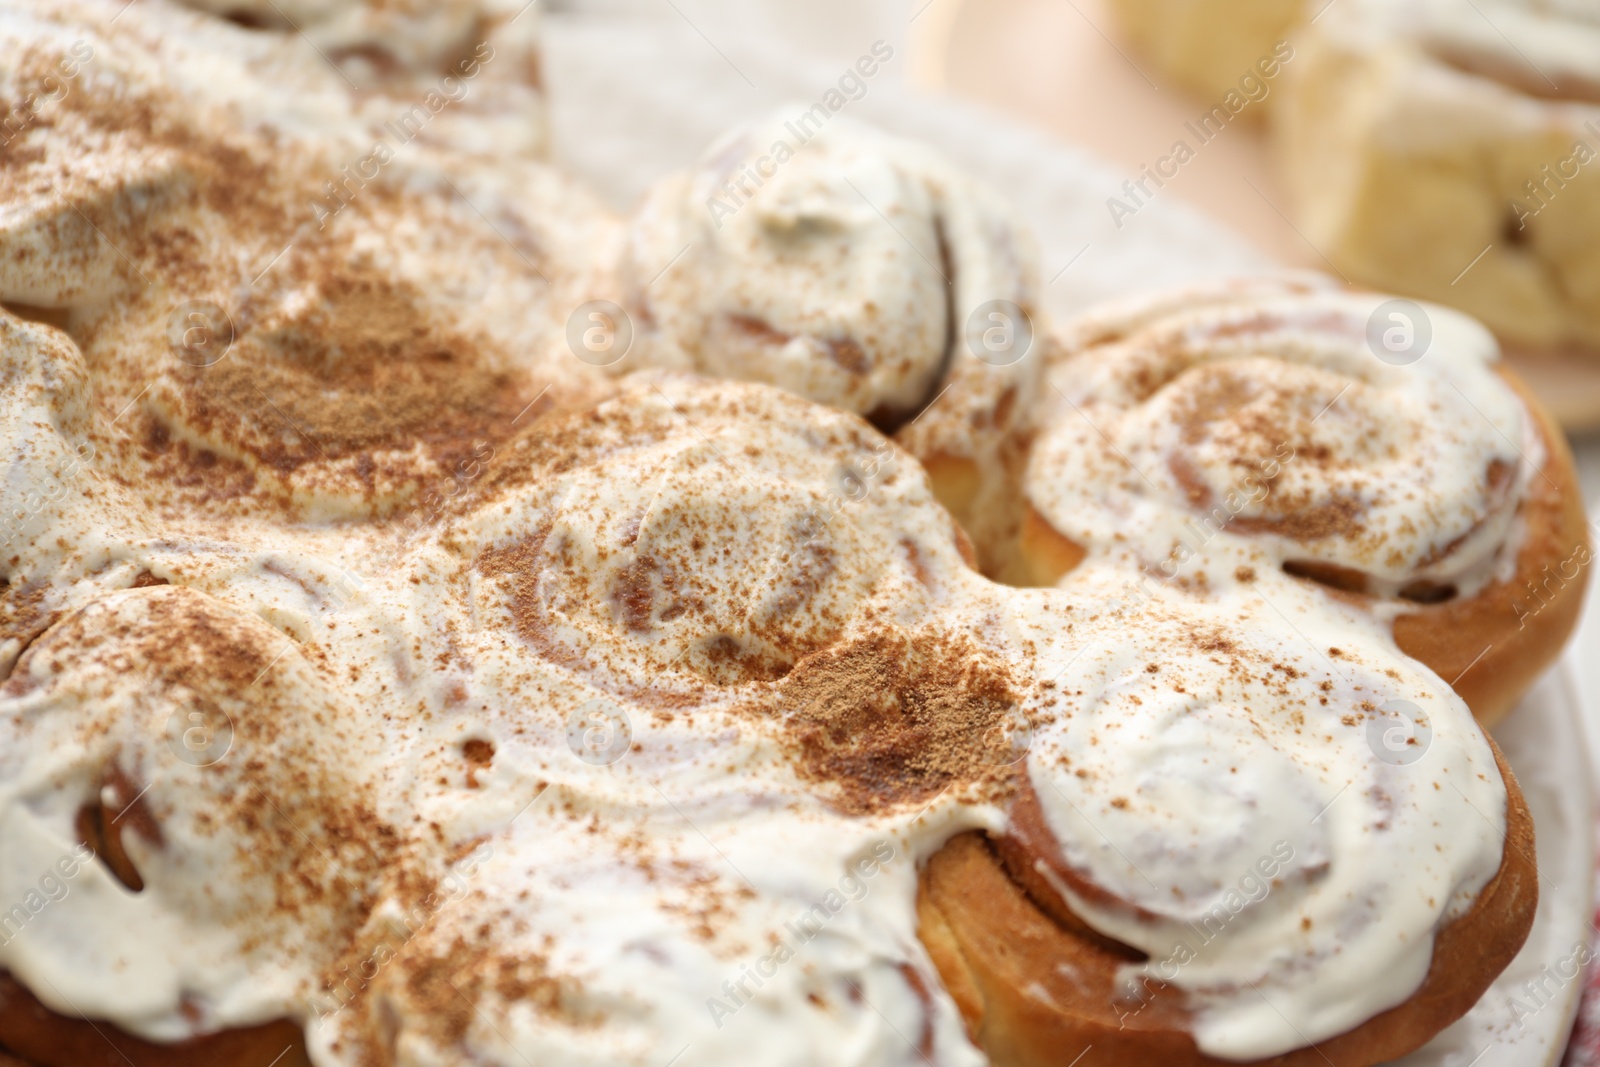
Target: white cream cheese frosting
1273 429
419 684
272 294
840 263
1278 806
861 271
550 793
410 36
422 66
442 759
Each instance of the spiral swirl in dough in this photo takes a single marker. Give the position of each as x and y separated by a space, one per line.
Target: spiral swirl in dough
1248 431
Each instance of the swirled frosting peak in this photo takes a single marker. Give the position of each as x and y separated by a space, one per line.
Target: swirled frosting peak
839 263
1282 422
1280 817
718 531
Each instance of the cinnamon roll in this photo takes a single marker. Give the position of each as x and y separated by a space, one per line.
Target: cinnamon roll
575 779
597 768
382 43
382 683
1371 446
1237 839
1220 50
624 565
163 758
243 283
860 271
1447 149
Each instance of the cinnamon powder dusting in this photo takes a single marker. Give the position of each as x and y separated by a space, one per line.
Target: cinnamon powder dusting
362 369
893 719
447 987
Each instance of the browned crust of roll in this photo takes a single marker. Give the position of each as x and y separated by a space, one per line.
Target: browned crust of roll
1047 555
1036 994
956 482
1492 647
38 1037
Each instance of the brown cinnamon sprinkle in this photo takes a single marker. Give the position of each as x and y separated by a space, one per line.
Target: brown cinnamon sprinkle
362 368
479 755
306 833
740 632
848 354
23 618
895 718
1253 420
335 390
444 988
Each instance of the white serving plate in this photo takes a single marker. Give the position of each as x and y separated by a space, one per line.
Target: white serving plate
634 99
1544 743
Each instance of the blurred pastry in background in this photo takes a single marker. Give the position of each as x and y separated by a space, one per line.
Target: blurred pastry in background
1450 149
1207 46
1444 149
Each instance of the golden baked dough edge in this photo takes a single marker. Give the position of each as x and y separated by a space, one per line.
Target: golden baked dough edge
1035 995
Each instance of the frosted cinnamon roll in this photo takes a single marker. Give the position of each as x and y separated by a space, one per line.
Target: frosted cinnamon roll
1446 149
614 771
862 272
371 38
1372 446
378 677
1226 51
645 744
423 70
629 566
1238 839
159 787
270 308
